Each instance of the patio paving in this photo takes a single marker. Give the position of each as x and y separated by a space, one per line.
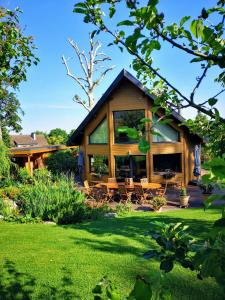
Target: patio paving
173 203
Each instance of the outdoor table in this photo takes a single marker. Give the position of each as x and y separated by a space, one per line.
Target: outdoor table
114 185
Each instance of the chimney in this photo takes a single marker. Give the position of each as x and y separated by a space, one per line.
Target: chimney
33 135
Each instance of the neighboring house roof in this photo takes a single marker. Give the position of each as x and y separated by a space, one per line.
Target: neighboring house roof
28 140
76 137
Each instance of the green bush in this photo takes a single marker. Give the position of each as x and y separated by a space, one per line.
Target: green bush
62 162
58 201
42 175
123 208
23 176
5 162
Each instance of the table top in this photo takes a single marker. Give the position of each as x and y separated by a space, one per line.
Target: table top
114 185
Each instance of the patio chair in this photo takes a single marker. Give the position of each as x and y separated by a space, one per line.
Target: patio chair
141 195
112 180
129 181
161 191
97 197
124 195
144 180
86 189
107 194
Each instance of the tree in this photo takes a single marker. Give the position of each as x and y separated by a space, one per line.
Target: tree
57 136
10 112
16 55
212 132
91 65
146 30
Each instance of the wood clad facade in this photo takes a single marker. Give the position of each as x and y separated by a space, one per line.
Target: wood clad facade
127 96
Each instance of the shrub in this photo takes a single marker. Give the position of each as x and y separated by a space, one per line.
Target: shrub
157 202
58 201
24 176
207 188
64 161
123 208
42 175
5 162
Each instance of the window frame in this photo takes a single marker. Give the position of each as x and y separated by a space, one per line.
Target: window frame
114 128
90 167
99 124
167 142
180 158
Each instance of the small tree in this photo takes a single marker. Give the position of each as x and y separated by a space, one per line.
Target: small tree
16 55
91 65
10 112
57 136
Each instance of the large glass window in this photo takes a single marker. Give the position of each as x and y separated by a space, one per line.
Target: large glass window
163 162
100 134
99 164
130 118
167 133
130 166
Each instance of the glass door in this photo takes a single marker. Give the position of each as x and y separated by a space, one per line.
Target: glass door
130 166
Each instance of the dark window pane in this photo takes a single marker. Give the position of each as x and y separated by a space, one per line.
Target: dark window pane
133 166
99 164
167 133
130 118
162 162
100 134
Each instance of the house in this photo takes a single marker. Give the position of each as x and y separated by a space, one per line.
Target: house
33 140
108 153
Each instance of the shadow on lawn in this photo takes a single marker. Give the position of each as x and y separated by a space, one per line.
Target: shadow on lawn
133 227
21 286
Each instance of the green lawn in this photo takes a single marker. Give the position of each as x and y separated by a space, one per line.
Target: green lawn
64 262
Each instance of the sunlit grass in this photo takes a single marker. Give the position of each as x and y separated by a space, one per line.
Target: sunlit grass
71 259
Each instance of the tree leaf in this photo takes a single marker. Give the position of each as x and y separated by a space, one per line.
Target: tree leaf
125 23
141 291
166 265
112 11
143 146
197 27
184 20
212 101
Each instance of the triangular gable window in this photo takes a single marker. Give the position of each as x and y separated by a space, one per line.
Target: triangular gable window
167 133
100 133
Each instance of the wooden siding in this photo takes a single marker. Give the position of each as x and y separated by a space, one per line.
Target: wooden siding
129 97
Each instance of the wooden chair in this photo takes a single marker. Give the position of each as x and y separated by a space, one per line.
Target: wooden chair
141 195
107 194
97 197
87 189
112 180
144 180
129 181
124 195
161 191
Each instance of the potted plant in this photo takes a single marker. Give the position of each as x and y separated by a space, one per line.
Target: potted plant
184 197
158 202
206 188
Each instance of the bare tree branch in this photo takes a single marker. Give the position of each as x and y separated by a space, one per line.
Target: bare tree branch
78 100
90 64
73 77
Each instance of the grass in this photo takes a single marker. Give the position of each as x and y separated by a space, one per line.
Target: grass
43 261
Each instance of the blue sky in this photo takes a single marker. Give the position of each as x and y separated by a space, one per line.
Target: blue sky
46 97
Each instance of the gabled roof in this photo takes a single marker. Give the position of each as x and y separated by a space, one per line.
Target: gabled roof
124 74
28 140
